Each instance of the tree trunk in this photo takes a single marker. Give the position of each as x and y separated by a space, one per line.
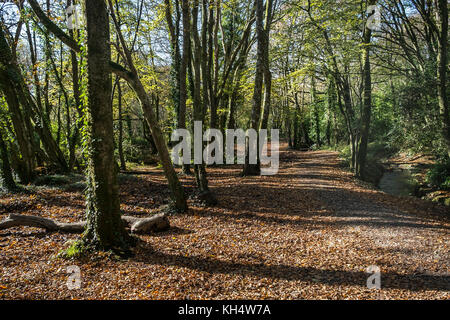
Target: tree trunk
442 62
267 73
367 104
175 69
183 72
14 85
254 169
123 165
315 105
133 79
331 95
104 227
196 71
75 135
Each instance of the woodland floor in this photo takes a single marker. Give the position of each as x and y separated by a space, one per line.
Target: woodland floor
309 232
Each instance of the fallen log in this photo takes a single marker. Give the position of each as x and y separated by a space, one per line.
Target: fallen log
158 222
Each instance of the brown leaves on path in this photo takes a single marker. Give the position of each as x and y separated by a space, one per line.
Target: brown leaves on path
309 232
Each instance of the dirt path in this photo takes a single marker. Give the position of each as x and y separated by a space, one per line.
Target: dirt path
310 232
408 236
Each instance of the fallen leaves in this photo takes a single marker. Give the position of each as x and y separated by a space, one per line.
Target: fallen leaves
309 232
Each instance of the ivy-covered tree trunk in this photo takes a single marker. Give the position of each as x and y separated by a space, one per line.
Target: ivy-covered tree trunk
77 102
104 229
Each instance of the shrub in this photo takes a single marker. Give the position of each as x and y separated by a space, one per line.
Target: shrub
439 175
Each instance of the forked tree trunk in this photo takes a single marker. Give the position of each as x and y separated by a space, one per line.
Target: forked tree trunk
195 71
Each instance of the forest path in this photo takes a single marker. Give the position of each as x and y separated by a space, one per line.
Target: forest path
409 233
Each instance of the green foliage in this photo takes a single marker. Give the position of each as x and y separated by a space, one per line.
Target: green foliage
439 175
135 149
83 85
417 125
52 180
72 182
76 250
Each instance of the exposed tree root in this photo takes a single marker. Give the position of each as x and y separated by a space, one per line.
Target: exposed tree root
156 223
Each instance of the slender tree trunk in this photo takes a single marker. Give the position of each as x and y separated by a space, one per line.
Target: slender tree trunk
442 62
267 73
296 142
34 107
348 113
75 134
31 110
123 165
237 78
315 105
183 72
254 169
133 79
331 95
175 53
367 104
